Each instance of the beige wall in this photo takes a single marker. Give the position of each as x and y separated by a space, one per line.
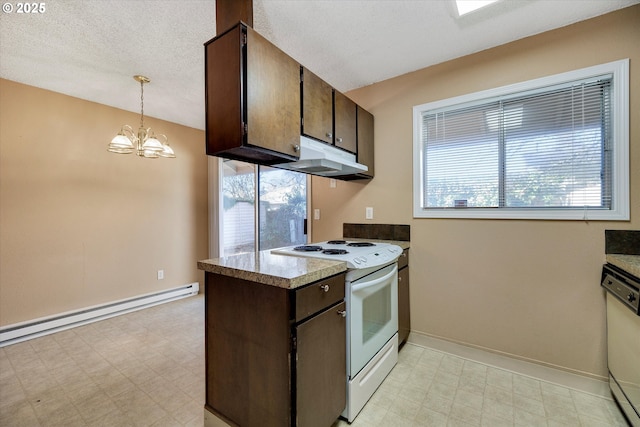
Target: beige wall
80 226
525 288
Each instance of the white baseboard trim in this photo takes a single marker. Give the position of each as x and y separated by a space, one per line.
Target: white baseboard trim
23 331
587 384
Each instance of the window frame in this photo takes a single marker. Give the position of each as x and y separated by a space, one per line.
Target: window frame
619 210
216 207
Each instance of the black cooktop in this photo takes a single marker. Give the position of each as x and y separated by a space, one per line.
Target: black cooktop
308 248
361 244
335 251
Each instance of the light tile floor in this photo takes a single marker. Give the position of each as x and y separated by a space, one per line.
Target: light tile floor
432 388
147 369
144 368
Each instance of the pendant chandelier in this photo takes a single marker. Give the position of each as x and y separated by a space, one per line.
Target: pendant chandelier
144 143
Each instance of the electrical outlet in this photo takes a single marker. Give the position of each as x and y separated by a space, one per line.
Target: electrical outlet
160 274
368 213
332 183
316 214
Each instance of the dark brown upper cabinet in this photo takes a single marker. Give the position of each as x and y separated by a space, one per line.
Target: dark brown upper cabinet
345 123
365 155
317 107
252 98
327 115
259 101
365 140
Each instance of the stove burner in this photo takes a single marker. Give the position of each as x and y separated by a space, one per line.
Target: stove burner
308 248
335 252
336 242
361 244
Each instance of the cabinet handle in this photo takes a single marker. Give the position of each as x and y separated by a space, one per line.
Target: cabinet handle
324 288
296 148
342 313
338 140
329 135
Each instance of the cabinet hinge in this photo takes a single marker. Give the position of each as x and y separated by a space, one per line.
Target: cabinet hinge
245 129
244 39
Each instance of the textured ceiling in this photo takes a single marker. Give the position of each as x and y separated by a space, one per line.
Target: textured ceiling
91 48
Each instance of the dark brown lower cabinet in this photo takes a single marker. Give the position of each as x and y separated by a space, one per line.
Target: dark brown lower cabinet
275 356
321 368
404 313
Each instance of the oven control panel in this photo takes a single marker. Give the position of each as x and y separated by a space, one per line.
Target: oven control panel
379 256
623 287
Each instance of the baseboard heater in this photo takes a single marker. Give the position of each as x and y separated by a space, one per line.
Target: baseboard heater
23 331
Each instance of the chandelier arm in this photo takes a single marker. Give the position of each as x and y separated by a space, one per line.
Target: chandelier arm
129 133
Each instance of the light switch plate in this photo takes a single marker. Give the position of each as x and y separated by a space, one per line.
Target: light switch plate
368 213
316 214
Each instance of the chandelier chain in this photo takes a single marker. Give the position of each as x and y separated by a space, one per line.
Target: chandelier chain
141 103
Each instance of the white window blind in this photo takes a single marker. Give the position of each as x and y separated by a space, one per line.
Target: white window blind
543 148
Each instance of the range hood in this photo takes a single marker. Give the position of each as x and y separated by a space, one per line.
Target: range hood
322 159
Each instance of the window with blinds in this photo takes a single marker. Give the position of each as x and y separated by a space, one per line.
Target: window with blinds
543 149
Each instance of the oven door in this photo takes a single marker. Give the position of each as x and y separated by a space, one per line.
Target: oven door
373 315
623 337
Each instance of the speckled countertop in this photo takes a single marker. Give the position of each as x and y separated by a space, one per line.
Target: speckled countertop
276 270
630 263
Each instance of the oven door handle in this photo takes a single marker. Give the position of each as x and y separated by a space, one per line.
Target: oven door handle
374 283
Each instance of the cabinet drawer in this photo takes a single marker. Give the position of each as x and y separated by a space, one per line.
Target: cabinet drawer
403 260
317 296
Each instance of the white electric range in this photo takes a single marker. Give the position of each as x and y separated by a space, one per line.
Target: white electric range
371 295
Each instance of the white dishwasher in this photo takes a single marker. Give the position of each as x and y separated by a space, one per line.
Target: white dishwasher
623 339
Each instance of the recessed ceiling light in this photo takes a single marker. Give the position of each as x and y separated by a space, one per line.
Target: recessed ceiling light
467 6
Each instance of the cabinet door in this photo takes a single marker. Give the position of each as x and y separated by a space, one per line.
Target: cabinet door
345 123
273 97
317 107
321 365
365 140
404 314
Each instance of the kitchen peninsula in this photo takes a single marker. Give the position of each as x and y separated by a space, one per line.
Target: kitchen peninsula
274 340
